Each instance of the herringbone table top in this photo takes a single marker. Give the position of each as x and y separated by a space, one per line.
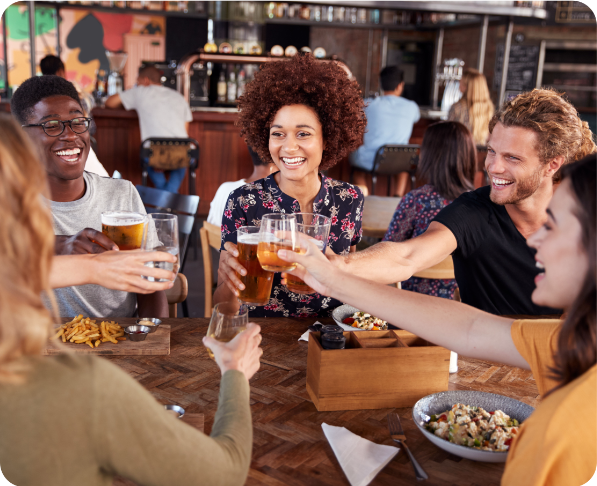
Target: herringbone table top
289 445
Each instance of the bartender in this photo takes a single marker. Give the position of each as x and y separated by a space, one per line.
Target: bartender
163 113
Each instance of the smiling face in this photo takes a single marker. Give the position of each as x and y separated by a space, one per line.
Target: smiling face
513 165
296 142
65 155
559 253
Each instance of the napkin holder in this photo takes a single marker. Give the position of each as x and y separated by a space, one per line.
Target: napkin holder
378 369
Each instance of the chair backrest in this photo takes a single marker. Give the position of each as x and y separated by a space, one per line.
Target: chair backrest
443 270
185 207
177 294
210 237
393 159
169 154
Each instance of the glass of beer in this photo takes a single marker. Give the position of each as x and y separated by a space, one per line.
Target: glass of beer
125 228
226 322
162 235
257 281
277 232
317 227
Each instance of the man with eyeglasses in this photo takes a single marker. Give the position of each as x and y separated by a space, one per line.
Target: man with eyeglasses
49 109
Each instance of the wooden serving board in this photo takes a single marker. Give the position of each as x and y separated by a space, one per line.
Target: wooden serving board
156 343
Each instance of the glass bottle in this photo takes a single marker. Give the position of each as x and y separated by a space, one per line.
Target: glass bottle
231 96
222 88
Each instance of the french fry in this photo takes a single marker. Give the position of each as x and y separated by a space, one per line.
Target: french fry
84 330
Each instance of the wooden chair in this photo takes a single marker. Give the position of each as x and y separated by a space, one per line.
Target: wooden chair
377 215
211 236
177 294
393 159
443 270
170 154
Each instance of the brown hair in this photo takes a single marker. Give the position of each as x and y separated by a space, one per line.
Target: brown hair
152 73
478 103
448 158
577 341
26 249
559 129
323 86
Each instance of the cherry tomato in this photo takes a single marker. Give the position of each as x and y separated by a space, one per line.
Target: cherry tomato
508 442
348 320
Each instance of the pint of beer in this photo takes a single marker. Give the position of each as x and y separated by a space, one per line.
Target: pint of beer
317 227
277 232
257 281
125 228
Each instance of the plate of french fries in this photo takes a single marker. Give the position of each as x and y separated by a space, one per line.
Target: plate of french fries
84 330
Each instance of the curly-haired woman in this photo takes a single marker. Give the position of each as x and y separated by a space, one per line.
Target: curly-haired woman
305 116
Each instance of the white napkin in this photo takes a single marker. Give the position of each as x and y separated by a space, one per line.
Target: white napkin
360 459
305 336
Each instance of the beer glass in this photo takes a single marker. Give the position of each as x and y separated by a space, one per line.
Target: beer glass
317 227
125 228
162 235
226 322
257 281
277 232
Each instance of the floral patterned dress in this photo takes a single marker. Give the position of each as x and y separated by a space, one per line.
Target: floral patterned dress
338 200
411 219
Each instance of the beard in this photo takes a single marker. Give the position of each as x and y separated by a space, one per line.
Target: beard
524 189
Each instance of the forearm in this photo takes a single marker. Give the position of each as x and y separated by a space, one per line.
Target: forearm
458 327
71 270
153 305
386 262
223 294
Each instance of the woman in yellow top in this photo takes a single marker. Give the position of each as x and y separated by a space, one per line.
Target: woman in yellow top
557 445
78 419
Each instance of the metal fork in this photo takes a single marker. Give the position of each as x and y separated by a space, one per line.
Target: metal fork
398 436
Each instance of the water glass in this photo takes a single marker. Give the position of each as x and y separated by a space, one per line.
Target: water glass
162 235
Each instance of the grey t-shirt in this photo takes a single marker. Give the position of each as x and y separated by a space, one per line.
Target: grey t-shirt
101 194
162 111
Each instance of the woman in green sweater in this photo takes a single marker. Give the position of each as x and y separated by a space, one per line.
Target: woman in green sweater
79 420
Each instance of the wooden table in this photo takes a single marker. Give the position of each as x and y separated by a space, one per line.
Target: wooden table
377 215
289 446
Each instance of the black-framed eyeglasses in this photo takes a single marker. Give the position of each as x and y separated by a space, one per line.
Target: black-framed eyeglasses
54 128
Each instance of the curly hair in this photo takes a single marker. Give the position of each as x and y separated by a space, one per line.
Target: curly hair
323 86
559 129
26 249
37 88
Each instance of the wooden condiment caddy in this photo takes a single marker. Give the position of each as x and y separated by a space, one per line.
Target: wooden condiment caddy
378 369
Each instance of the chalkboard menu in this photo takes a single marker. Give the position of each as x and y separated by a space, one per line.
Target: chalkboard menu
571 12
522 67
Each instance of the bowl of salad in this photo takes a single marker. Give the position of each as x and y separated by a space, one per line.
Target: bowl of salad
352 319
471 424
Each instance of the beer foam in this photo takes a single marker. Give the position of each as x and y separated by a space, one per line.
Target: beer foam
248 239
122 218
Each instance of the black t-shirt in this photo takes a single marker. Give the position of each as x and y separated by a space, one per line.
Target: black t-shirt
494 267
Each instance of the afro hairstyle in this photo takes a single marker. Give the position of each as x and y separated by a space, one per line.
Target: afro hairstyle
38 88
323 86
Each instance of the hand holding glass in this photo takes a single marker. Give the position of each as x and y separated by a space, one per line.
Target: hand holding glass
226 322
162 235
257 281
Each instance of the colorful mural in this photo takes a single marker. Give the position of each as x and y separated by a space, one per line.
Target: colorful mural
85 35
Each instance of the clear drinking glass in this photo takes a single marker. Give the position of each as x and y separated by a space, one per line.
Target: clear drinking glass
317 227
277 232
257 281
226 322
162 235
125 228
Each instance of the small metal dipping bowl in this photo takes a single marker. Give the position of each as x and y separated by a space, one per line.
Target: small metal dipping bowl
155 323
136 333
175 409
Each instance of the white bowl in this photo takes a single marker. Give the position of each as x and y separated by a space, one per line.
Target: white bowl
344 311
440 402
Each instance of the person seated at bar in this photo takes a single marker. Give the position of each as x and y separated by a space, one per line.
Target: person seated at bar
49 109
79 420
163 113
53 66
557 444
531 138
306 116
260 171
447 162
390 120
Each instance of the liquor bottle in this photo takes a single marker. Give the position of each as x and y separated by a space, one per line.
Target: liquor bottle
231 96
240 89
222 88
